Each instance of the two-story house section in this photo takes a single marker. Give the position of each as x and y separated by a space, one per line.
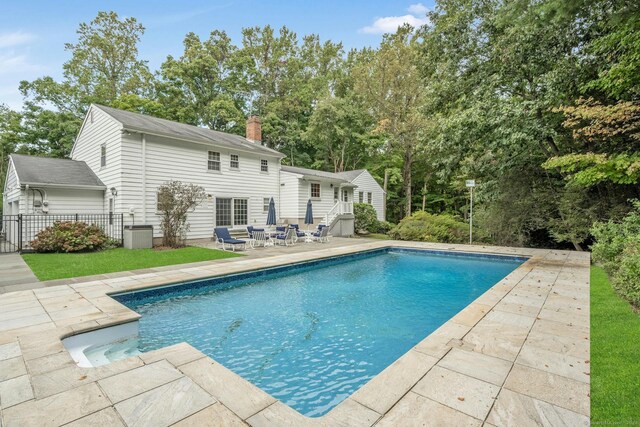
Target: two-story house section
134 154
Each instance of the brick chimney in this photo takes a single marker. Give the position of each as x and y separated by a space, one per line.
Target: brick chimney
254 129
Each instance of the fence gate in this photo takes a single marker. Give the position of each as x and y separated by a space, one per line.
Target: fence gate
10 233
18 231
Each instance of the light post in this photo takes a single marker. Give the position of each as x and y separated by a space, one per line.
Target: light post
470 183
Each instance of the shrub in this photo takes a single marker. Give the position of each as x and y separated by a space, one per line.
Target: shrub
612 237
426 227
617 248
626 279
69 236
366 218
384 227
175 201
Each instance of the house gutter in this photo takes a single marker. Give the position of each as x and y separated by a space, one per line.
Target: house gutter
74 186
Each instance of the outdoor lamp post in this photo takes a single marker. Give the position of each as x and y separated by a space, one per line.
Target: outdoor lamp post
470 183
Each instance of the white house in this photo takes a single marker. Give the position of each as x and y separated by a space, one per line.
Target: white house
120 158
330 195
366 190
134 154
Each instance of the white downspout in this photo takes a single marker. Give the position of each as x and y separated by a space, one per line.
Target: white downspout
144 179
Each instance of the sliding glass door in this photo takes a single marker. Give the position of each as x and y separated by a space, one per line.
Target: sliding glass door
231 212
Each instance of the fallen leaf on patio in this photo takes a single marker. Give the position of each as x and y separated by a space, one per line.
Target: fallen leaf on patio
461 399
84 377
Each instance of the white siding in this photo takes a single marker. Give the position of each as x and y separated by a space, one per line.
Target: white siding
366 183
297 191
100 128
66 201
11 188
168 159
289 196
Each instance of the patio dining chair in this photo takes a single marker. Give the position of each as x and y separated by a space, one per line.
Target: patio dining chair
299 234
251 229
321 236
288 238
261 238
223 238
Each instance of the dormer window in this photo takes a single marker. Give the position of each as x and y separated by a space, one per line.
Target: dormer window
103 155
235 162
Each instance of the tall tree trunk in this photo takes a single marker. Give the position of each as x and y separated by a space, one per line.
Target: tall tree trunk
406 179
384 187
424 196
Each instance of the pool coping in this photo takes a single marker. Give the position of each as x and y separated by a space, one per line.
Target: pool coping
500 357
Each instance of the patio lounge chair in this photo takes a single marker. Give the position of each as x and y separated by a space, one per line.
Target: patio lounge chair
287 238
224 238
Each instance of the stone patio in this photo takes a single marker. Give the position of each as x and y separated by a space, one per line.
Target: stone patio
518 355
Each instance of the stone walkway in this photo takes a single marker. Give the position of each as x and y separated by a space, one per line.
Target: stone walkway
14 272
517 355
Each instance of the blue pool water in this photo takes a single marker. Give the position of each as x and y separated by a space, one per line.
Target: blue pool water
311 335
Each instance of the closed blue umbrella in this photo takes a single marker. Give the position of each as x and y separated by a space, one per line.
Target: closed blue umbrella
308 217
271 215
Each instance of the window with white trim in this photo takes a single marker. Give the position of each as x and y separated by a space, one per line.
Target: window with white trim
265 204
361 197
213 161
369 197
264 165
234 162
336 193
315 190
103 155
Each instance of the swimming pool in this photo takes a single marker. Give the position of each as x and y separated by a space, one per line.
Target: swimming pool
311 334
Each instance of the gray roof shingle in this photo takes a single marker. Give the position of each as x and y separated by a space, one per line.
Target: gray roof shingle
315 173
44 171
143 123
350 175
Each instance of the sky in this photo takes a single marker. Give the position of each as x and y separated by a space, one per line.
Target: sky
33 33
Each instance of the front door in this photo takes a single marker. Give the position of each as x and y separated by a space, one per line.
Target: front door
345 195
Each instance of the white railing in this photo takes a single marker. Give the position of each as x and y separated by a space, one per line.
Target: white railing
338 209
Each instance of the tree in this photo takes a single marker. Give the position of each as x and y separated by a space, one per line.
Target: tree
104 68
205 86
339 131
390 84
175 201
609 138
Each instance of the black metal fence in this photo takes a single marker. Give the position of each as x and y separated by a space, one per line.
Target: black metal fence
17 231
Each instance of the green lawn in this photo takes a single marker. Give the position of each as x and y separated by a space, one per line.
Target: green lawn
615 355
61 265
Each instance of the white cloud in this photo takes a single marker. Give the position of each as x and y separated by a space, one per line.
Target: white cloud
15 38
389 24
418 9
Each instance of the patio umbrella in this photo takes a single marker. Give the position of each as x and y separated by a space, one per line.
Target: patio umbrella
271 215
308 217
